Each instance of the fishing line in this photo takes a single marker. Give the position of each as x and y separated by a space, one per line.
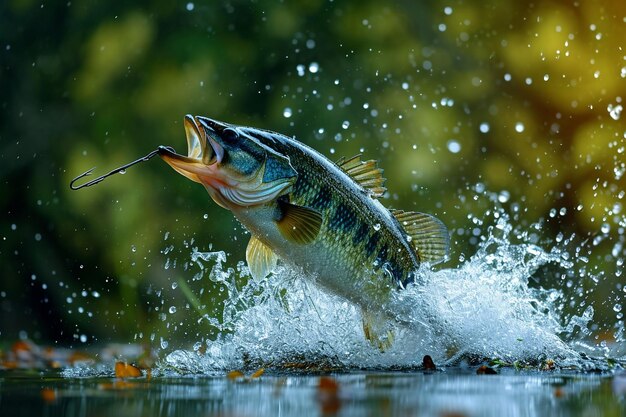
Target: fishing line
121 169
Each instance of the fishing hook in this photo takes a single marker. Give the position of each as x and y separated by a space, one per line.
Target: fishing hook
115 171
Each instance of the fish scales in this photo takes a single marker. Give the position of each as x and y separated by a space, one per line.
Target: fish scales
356 229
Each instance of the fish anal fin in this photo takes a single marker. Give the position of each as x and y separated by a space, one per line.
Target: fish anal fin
377 330
261 258
365 173
299 224
428 235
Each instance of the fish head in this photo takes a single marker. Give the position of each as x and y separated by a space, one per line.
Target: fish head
235 168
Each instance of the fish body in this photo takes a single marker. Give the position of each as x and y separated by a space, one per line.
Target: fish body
320 216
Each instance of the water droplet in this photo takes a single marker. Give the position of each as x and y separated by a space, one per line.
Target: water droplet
447 102
615 111
197 346
133 248
447 10
454 146
623 72
205 216
287 112
345 124
310 44
164 343
507 77
617 308
484 127
13 226
314 67
38 237
301 70
519 127
123 171
377 227
190 6
174 285
83 338
504 196
172 310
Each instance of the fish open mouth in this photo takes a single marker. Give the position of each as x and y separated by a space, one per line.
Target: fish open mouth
202 152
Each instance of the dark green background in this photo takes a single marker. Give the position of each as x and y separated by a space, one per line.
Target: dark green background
100 83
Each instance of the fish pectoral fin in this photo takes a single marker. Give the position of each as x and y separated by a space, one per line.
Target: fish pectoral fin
365 173
261 259
299 224
429 236
377 329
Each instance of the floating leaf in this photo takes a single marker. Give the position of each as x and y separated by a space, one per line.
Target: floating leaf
234 375
125 370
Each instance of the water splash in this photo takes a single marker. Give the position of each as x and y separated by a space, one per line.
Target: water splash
490 306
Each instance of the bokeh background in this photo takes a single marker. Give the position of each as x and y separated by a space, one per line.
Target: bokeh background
467 104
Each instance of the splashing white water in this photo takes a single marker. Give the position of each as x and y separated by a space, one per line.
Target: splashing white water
484 308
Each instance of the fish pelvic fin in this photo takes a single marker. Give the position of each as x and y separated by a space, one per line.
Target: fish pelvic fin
365 173
298 224
261 259
428 235
377 330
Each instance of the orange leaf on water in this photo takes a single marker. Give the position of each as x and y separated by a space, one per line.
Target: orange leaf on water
258 373
77 356
21 346
125 370
234 374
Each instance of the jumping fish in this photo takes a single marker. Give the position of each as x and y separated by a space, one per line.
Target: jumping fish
320 216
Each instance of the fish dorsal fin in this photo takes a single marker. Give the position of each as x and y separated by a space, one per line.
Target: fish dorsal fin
299 224
261 259
428 235
366 173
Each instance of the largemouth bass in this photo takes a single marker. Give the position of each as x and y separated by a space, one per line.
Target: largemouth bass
320 216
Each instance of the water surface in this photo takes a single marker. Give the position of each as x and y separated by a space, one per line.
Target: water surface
451 392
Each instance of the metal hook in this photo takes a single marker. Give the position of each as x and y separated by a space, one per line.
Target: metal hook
115 171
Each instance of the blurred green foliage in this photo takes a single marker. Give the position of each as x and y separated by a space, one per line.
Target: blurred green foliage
512 95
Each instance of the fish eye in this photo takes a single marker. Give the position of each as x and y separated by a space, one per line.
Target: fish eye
230 135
